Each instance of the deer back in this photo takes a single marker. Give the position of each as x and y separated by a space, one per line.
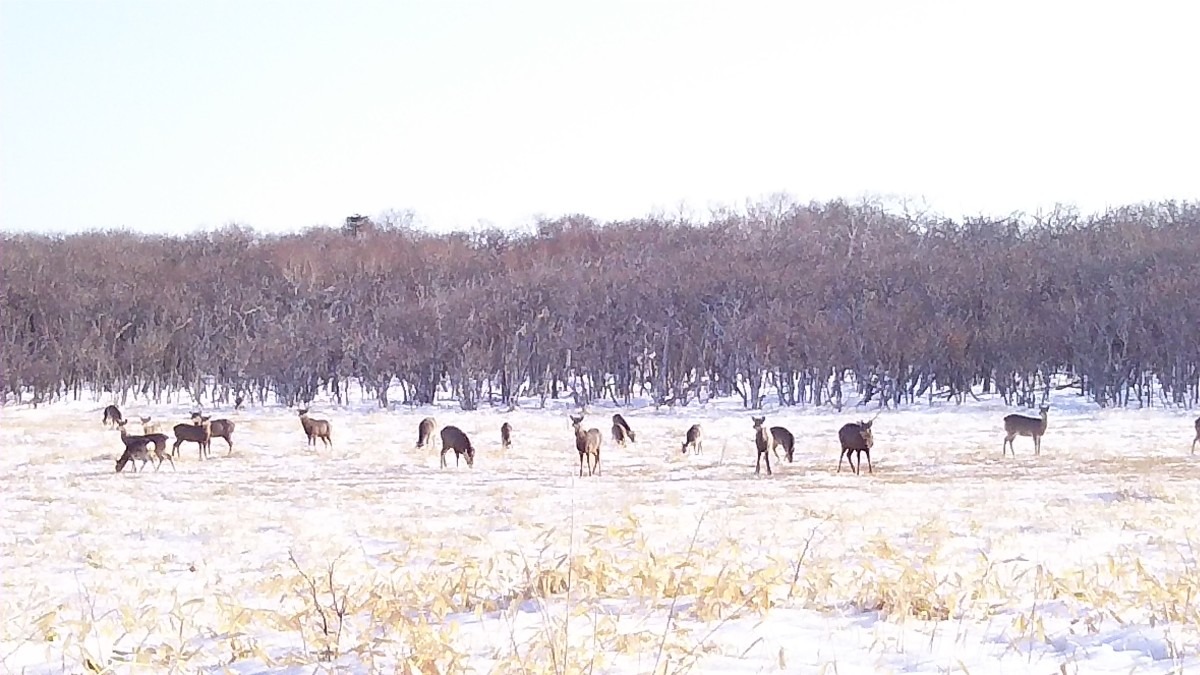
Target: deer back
592 442
855 436
221 428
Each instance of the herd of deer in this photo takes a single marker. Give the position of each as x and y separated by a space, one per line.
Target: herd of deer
855 438
151 444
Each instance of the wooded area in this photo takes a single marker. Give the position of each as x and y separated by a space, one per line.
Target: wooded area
810 297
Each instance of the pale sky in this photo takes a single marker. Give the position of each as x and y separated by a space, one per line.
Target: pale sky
174 116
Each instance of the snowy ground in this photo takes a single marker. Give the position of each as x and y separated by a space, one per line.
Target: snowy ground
948 558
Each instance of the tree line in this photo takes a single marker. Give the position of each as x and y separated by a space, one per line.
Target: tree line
807 298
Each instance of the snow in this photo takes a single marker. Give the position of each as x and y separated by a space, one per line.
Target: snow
947 558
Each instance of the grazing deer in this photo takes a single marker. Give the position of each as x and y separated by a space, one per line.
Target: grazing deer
237 402
136 449
454 439
425 431
200 434
315 428
856 437
1197 436
693 439
506 435
588 445
1020 425
112 415
149 427
782 438
762 441
221 428
621 432
158 440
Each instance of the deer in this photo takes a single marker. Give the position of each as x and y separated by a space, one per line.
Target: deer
1020 425
200 434
1197 436
588 445
856 437
112 415
149 427
782 438
158 440
454 439
315 428
693 439
762 441
221 428
621 432
425 431
506 436
136 449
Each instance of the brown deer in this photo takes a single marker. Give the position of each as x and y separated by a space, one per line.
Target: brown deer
112 415
149 427
200 434
159 442
1197 436
1020 425
782 438
315 428
694 438
221 428
454 439
621 432
856 437
425 431
762 441
588 445
135 449
506 436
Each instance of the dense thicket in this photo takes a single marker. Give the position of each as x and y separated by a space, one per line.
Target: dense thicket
804 296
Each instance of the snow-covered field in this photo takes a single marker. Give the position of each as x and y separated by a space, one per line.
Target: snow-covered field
282 558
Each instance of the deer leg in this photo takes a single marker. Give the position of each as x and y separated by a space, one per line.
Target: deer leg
597 464
581 460
767 458
840 458
757 462
870 469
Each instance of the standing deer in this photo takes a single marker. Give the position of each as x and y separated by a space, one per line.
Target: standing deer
315 428
221 428
425 431
149 427
506 435
782 438
454 439
1197 436
112 415
588 445
200 434
693 439
856 437
1020 425
621 432
158 440
762 440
